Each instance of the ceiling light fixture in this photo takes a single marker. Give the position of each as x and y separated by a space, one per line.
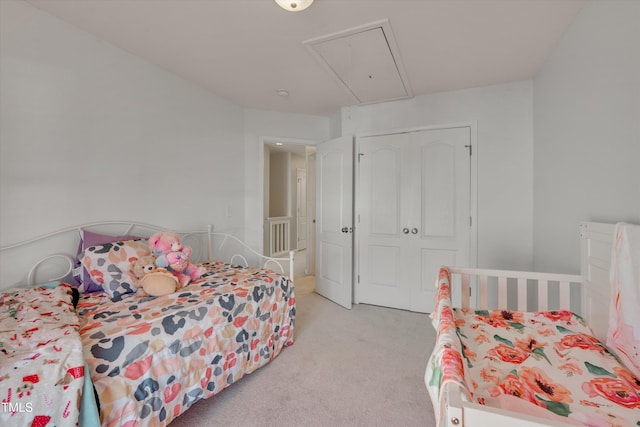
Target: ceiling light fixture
294 6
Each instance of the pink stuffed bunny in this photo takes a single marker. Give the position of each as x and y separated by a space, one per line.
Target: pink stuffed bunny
174 257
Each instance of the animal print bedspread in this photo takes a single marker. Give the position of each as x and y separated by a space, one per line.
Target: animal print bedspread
150 358
41 362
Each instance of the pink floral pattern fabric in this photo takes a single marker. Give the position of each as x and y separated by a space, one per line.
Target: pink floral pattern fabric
41 362
150 358
110 265
624 314
445 366
546 360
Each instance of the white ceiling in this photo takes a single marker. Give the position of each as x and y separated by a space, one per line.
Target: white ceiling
246 50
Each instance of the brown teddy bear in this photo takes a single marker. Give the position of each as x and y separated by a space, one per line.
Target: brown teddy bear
152 281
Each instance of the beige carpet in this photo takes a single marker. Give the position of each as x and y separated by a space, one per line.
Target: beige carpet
358 367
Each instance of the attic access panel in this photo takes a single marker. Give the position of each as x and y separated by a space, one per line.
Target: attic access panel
364 61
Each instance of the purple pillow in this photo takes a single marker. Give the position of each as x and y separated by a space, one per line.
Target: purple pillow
88 239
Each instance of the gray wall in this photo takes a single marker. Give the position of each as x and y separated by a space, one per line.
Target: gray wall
587 132
89 132
279 169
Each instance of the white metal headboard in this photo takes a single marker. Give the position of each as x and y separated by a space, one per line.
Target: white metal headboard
29 255
264 261
596 241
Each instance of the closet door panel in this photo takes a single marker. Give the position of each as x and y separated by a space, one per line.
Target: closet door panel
438 190
384 191
385 276
443 188
382 175
384 264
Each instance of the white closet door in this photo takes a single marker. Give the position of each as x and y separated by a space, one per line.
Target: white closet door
334 205
414 210
442 211
383 213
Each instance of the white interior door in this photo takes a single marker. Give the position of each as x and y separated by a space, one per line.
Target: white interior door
311 210
414 212
301 208
383 213
334 205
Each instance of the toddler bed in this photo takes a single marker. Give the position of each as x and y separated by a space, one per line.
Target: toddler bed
149 358
527 359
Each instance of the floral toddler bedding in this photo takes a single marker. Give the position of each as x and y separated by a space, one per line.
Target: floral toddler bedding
150 358
545 364
41 362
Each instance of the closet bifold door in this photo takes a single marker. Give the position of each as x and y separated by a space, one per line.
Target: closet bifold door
414 209
383 230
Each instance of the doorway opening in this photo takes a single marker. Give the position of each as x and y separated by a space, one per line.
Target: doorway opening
289 206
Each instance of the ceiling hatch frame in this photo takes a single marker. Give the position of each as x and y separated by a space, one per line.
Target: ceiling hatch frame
355 57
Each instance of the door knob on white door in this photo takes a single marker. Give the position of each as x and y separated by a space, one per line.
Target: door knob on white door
414 231
405 230
347 230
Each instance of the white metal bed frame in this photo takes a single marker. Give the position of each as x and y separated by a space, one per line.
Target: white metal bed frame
207 238
593 282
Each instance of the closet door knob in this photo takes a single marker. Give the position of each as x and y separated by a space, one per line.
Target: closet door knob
405 230
414 231
345 229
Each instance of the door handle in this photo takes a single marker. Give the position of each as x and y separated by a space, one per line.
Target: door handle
346 230
414 231
405 230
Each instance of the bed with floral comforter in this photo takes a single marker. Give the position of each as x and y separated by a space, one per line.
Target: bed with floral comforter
546 364
150 359
41 362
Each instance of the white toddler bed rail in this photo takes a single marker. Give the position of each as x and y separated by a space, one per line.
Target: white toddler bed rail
525 283
42 253
462 412
586 294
